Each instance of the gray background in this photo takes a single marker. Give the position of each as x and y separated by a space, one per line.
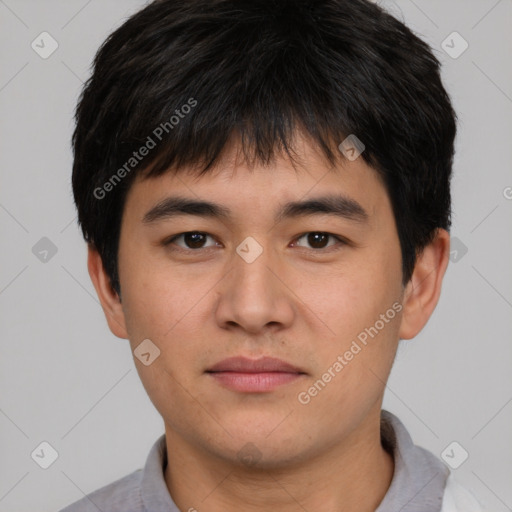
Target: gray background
65 379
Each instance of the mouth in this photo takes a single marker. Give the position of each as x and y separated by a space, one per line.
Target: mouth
254 375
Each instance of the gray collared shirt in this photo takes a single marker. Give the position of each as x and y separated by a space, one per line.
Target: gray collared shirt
418 482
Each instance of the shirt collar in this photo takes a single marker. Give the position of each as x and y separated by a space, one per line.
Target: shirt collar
418 483
154 493
419 478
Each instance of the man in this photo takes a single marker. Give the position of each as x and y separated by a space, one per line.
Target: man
264 187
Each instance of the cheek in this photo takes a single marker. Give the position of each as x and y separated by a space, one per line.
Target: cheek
159 305
353 298
360 307
153 297
355 364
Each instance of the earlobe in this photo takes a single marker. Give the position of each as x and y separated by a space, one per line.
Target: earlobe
108 297
424 288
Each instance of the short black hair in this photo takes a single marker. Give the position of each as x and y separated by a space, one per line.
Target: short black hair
182 78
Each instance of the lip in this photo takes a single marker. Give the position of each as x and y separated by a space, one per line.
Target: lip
246 365
254 375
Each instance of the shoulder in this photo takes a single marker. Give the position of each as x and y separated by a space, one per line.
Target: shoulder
457 498
121 495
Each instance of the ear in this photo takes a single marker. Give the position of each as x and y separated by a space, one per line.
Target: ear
424 288
109 298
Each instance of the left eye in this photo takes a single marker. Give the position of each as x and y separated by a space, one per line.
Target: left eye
319 239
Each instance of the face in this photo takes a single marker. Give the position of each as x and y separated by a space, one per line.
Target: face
318 288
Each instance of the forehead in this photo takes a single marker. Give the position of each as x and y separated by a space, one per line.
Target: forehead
232 180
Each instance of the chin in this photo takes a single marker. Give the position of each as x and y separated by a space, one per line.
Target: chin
258 449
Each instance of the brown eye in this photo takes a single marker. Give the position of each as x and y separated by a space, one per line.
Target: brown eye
190 240
318 239
194 240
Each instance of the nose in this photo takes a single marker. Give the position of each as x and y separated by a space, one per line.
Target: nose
254 296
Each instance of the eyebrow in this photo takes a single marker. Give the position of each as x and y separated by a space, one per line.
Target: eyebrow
336 205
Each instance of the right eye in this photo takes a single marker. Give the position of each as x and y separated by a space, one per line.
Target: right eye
192 240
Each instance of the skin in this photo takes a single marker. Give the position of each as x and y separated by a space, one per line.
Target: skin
297 302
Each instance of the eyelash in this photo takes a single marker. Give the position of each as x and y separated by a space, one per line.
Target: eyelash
170 241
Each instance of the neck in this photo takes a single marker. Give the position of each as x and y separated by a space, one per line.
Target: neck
353 475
